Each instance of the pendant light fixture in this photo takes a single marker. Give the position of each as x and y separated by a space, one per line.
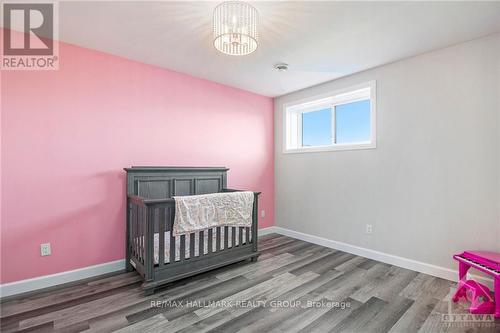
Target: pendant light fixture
235 28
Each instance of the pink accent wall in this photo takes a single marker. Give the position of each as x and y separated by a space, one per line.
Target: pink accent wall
67 134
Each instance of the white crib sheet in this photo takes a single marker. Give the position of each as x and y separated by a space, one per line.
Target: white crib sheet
197 242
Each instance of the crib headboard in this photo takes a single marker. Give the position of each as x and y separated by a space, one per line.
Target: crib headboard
165 182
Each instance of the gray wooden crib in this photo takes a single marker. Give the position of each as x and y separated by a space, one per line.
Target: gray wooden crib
150 214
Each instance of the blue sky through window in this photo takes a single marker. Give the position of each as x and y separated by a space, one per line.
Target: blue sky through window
353 122
317 128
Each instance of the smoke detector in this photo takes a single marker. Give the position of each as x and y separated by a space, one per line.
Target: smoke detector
281 67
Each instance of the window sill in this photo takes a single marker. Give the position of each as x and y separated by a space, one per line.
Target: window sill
330 148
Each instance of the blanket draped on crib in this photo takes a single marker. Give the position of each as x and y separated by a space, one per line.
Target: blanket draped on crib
199 212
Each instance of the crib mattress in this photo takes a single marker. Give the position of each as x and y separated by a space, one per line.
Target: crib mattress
196 246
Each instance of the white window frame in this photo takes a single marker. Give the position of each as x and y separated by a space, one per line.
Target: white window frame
292 118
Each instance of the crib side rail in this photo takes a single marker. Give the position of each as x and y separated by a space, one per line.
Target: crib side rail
156 203
148 218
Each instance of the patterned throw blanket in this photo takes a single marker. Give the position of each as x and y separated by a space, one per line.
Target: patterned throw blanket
199 212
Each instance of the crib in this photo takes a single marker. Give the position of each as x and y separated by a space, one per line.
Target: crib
151 248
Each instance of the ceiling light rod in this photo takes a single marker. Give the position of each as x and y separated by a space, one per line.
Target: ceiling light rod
236 28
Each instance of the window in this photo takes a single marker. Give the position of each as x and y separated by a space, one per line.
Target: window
338 121
316 128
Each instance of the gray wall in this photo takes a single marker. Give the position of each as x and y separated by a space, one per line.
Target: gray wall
431 187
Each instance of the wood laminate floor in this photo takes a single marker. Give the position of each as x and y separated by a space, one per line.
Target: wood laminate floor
294 287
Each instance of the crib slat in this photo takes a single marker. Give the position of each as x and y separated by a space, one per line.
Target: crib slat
191 245
233 236
136 248
247 235
137 235
240 236
149 229
226 237
131 231
143 228
168 230
134 236
182 248
161 236
172 248
210 239
217 240
201 249
144 234
141 235
169 218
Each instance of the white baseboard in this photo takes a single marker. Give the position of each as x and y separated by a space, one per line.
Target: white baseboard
23 286
267 231
418 266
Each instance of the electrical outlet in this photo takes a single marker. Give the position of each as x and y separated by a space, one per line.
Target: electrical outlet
369 229
45 249
263 213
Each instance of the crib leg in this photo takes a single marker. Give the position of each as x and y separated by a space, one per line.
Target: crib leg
254 258
128 265
149 291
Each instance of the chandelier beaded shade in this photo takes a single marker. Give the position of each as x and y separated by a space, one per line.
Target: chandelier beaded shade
235 28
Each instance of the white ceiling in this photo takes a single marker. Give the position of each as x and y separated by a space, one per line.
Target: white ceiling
320 40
